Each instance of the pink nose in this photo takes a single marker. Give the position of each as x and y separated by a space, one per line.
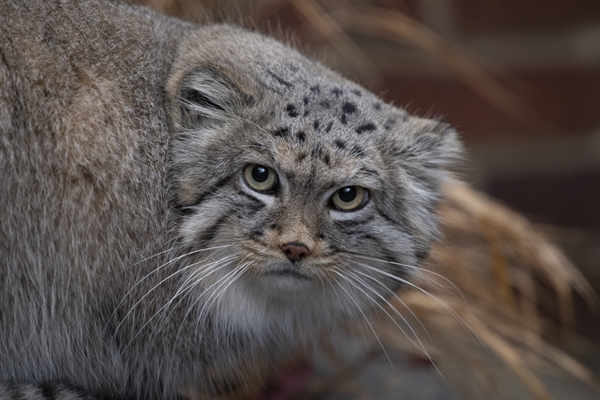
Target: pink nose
295 250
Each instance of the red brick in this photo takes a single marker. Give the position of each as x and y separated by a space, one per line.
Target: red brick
568 99
502 15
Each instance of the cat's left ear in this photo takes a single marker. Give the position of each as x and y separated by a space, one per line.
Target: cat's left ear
430 145
423 152
207 95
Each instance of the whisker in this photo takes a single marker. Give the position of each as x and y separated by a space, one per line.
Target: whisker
419 269
397 298
201 295
420 345
237 272
155 270
205 271
365 317
179 271
336 281
442 303
195 278
152 256
252 123
205 310
242 268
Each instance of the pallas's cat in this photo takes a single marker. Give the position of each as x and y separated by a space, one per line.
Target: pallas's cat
178 202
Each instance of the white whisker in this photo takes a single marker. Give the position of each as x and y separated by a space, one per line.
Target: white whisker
420 345
361 281
419 269
201 274
154 255
365 317
442 303
397 298
224 260
179 271
156 270
203 312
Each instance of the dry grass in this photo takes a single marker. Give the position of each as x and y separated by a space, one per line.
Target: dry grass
510 287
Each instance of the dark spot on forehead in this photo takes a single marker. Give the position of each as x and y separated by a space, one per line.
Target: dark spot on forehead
349 108
317 151
257 145
316 125
337 92
281 132
306 100
328 127
301 136
291 110
357 151
339 144
344 119
325 104
249 100
257 231
377 106
315 89
305 113
279 79
326 159
301 157
357 92
389 123
369 171
368 127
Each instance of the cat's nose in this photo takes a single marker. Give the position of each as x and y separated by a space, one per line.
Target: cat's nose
295 250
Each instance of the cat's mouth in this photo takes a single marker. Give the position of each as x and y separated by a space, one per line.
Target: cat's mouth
289 273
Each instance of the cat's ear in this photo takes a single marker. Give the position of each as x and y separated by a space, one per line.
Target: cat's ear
208 95
423 152
430 146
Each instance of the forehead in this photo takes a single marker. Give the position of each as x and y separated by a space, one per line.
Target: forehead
310 96
321 123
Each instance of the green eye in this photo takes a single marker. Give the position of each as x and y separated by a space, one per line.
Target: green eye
350 198
259 177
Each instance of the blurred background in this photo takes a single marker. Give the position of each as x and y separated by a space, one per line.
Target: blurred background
519 79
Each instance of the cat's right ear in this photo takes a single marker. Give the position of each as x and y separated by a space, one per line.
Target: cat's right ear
208 96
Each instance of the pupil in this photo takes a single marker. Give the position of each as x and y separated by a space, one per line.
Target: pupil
347 194
260 174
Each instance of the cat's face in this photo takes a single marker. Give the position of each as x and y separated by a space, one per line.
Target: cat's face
296 185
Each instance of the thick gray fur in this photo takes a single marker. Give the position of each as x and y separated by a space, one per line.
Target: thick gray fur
123 136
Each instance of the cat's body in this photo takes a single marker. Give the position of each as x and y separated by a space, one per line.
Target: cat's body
172 200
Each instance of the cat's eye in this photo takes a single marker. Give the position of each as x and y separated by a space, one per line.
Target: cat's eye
259 177
350 198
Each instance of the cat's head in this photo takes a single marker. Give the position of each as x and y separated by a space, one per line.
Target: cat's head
294 185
